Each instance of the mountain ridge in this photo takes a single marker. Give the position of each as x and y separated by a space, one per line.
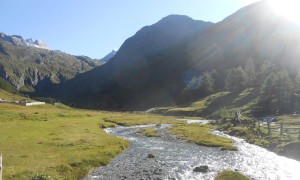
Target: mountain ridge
20 41
132 57
35 70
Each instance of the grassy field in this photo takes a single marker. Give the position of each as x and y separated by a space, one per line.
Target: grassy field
55 140
201 135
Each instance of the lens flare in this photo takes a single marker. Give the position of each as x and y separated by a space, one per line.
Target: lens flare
288 9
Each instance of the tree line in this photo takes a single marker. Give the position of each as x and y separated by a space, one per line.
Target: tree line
279 86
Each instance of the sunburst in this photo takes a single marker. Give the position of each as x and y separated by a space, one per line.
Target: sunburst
289 9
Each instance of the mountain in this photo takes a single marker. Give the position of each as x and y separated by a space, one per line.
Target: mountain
158 65
19 41
31 67
136 72
106 58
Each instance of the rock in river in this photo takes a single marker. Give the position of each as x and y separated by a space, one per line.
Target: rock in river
202 169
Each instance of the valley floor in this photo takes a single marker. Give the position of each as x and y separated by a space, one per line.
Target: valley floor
59 142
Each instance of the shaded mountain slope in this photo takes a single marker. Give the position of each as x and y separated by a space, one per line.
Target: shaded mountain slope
38 69
139 77
136 66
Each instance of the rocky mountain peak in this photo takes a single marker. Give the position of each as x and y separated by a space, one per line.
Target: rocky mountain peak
19 41
36 43
108 56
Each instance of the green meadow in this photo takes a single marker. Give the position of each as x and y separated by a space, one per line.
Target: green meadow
54 141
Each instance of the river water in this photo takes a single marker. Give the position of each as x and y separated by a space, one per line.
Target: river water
176 159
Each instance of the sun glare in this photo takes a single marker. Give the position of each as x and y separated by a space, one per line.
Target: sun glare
287 8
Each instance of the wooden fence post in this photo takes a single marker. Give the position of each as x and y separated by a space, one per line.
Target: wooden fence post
269 130
1 167
281 128
258 127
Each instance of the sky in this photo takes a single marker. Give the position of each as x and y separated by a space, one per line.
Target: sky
96 27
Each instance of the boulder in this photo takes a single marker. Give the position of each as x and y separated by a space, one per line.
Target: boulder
202 169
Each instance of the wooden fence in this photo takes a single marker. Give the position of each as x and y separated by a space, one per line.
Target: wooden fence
280 128
287 128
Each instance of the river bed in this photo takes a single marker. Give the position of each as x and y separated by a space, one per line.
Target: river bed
175 159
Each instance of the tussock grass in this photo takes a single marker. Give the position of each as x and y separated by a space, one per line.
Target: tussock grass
149 132
201 135
231 175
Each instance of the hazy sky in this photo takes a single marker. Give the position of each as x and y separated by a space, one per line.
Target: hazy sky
95 27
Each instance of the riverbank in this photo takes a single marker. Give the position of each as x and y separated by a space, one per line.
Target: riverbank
193 133
284 144
224 105
201 134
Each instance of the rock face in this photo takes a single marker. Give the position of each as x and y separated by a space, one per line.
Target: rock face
36 43
41 44
14 39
